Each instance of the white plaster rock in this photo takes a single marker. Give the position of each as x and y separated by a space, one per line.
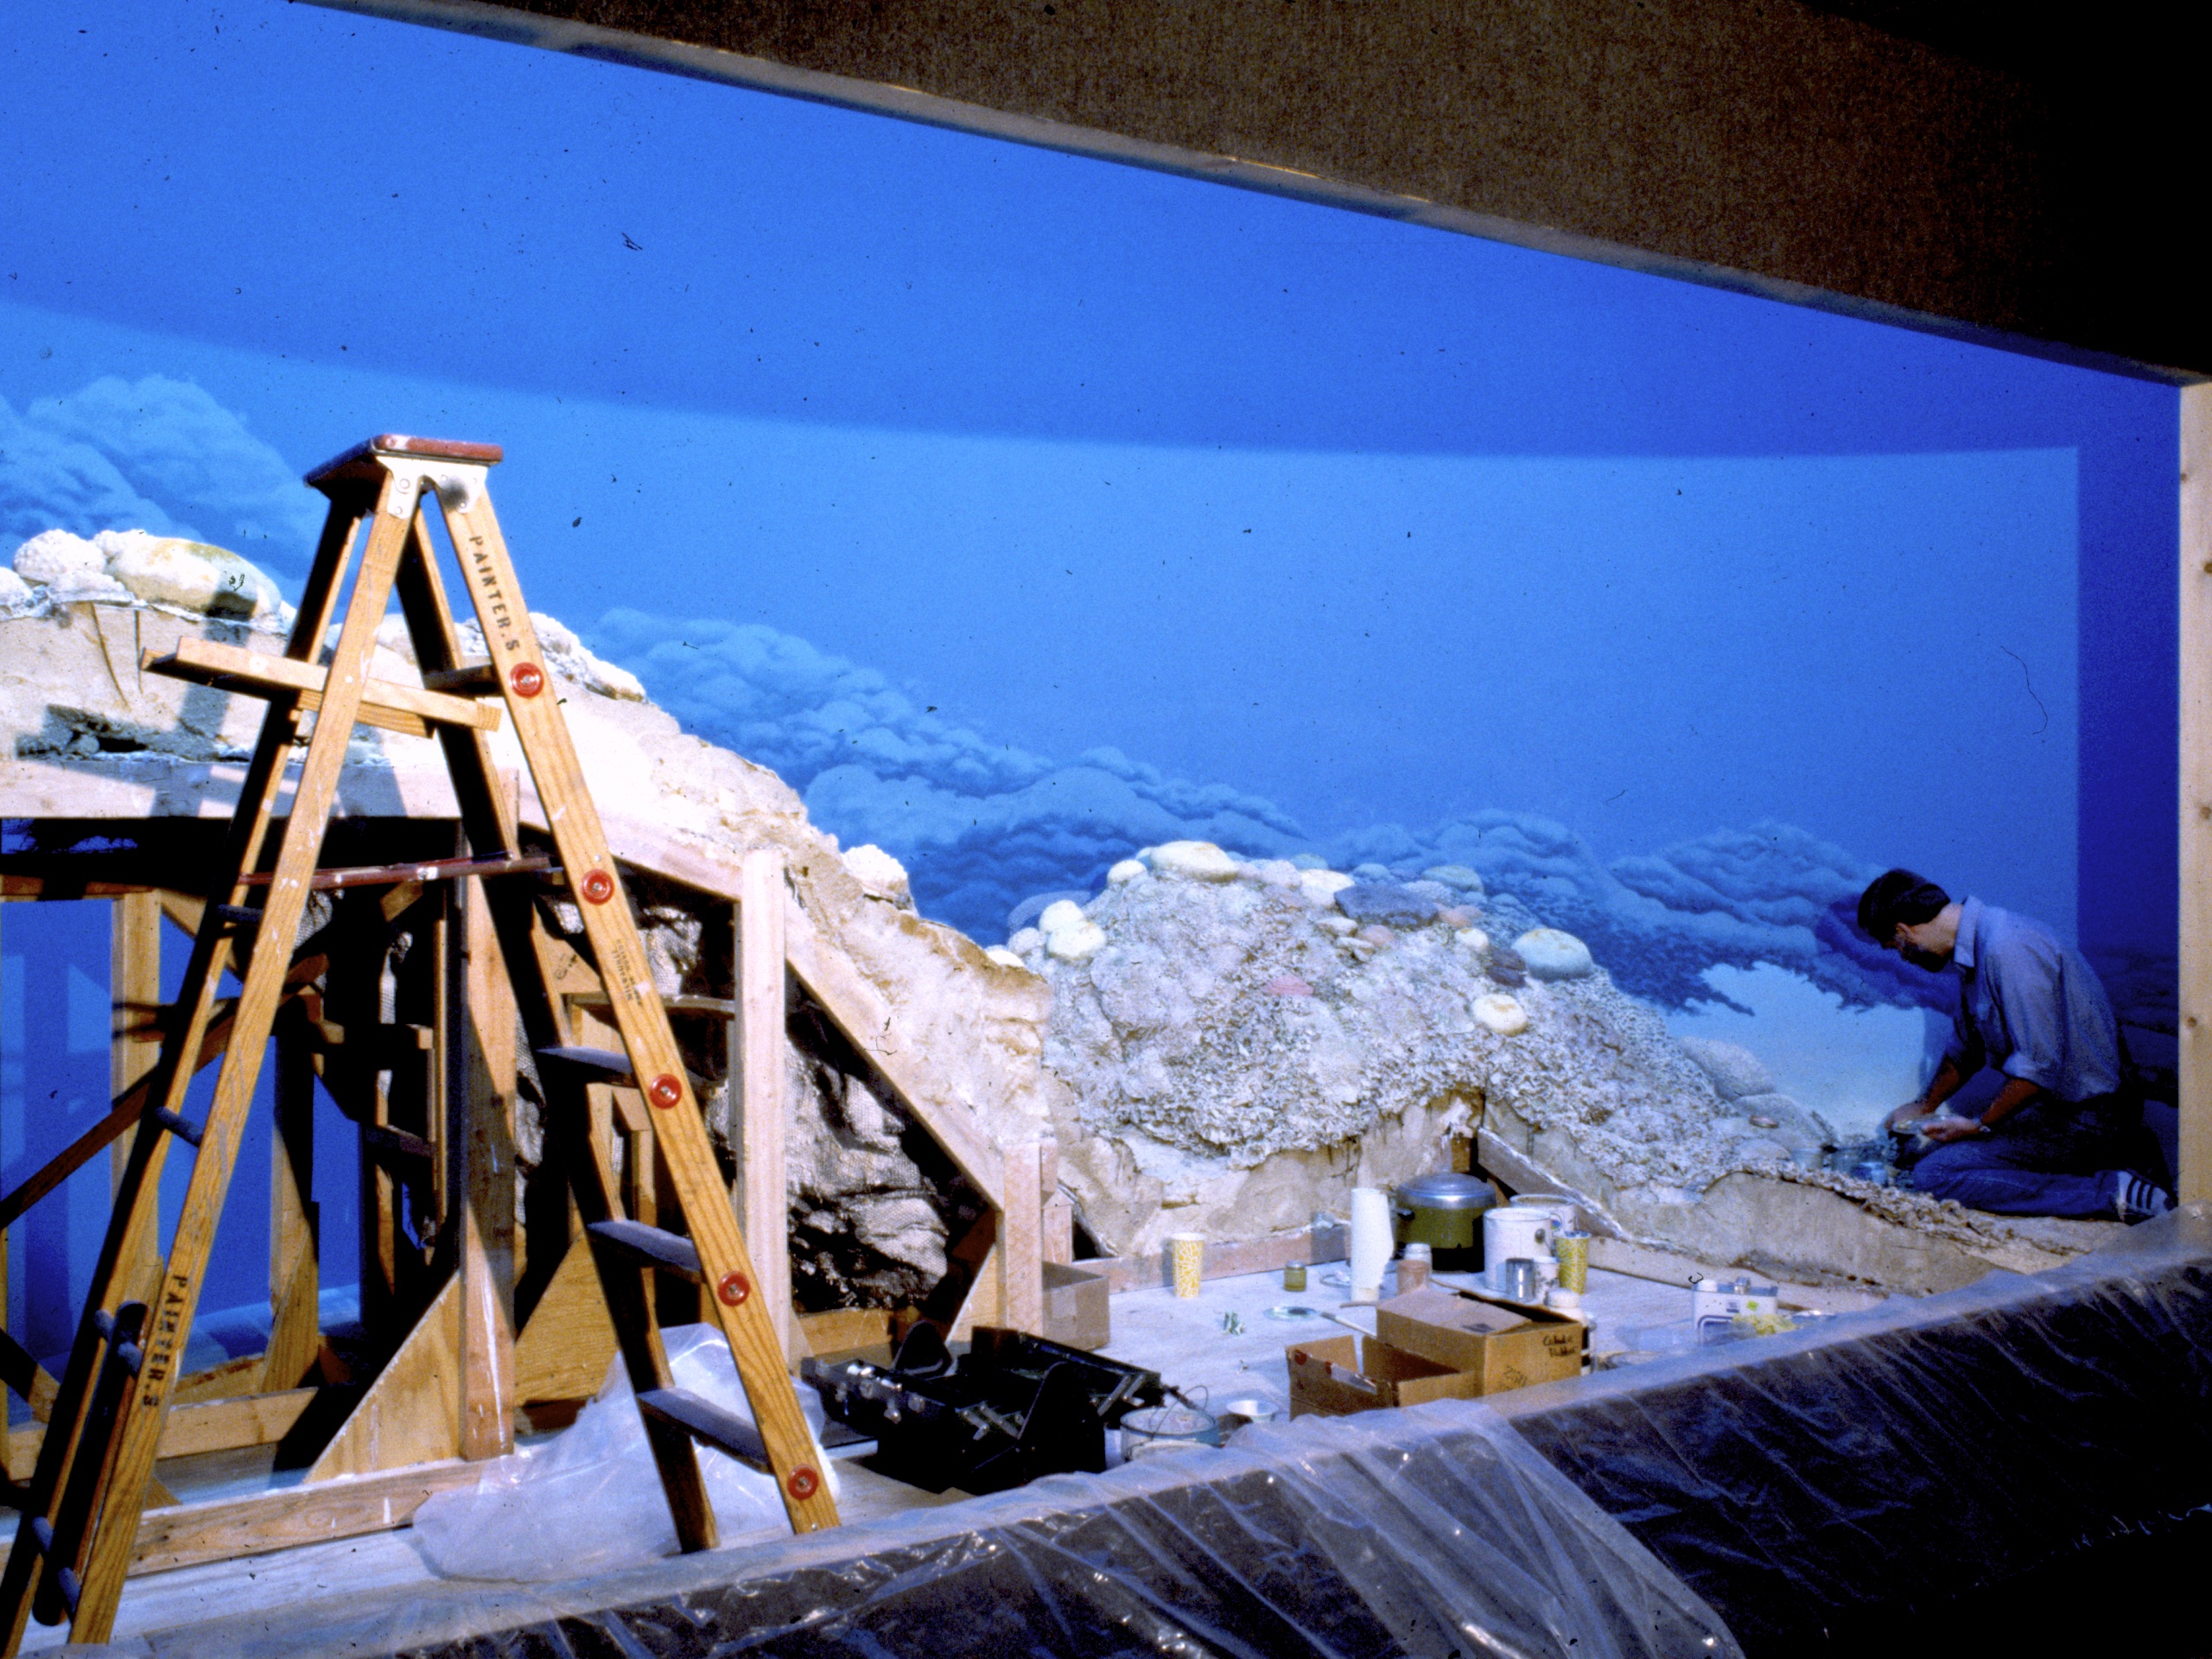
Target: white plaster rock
1502 1013
190 577
1472 938
1549 954
1004 957
1077 944
1794 1125
1128 870
1193 861
1060 914
1456 876
70 568
1735 1070
1026 940
1323 886
17 595
880 875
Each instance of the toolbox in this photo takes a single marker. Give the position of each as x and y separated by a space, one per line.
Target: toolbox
999 1413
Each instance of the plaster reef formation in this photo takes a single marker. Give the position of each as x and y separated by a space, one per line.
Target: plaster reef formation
85 734
1218 1043
1247 1039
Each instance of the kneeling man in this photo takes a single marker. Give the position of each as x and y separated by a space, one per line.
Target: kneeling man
2063 1134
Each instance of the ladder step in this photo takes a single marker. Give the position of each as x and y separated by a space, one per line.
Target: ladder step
398 1143
706 1422
237 915
605 1065
184 1129
651 1247
65 1579
411 709
125 1353
469 680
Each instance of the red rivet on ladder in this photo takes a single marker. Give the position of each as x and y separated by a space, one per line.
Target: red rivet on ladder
734 1288
599 887
803 1483
527 678
666 1090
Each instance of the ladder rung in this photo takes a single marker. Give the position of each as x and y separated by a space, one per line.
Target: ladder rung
42 1533
184 1129
608 1065
724 1006
470 680
382 1137
408 709
237 915
651 1247
706 1422
65 1579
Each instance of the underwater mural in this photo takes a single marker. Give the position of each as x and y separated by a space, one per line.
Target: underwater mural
1028 515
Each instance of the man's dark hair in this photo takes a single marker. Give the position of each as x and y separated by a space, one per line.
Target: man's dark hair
1897 896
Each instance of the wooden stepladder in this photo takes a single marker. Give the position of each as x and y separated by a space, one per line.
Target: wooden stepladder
97 1457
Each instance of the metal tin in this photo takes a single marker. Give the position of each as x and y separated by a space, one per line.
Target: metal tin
1572 1252
1518 1280
1444 1211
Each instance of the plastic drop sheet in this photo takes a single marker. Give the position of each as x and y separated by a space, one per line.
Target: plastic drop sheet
1434 1533
590 1500
1904 1457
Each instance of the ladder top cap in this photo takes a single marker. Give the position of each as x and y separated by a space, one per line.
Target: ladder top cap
360 461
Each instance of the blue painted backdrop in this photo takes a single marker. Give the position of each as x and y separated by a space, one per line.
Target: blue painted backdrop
1022 510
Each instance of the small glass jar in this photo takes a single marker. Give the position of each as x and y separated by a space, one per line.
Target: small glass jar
1415 1266
1293 1275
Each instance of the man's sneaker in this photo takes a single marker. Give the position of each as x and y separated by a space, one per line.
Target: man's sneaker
2138 1200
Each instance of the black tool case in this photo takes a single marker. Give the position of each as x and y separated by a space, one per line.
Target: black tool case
1008 1408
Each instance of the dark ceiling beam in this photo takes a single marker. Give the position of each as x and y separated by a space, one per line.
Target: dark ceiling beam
1765 145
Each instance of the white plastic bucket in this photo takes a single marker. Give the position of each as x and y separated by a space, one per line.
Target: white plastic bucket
1516 1229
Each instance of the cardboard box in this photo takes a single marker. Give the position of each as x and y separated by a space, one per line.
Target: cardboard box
1076 1309
1336 1377
1503 1345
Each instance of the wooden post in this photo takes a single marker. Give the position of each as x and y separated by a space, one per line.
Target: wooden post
135 988
1056 1229
480 1176
294 1233
763 1209
2195 1177
1021 1301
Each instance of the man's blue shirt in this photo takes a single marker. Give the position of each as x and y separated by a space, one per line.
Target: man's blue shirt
2031 1007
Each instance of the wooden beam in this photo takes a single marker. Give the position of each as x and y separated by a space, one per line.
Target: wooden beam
830 977
295 1229
394 707
2195 777
759 1081
232 1425
1056 1219
1021 1295
135 1045
481 1145
223 1529
411 1413
565 1349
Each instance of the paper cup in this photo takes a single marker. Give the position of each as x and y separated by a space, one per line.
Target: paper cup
1186 1255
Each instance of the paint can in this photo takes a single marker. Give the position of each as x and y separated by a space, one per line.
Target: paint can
1514 1229
1517 1279
1572 1251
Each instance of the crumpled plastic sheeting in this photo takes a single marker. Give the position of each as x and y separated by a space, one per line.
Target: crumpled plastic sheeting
591 1501
1906 1454
1433 1533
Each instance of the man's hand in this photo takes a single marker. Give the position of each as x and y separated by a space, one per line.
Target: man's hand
1945 1130
1901 1120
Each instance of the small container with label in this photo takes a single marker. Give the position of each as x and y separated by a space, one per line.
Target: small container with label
1293 1275
1413 1268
